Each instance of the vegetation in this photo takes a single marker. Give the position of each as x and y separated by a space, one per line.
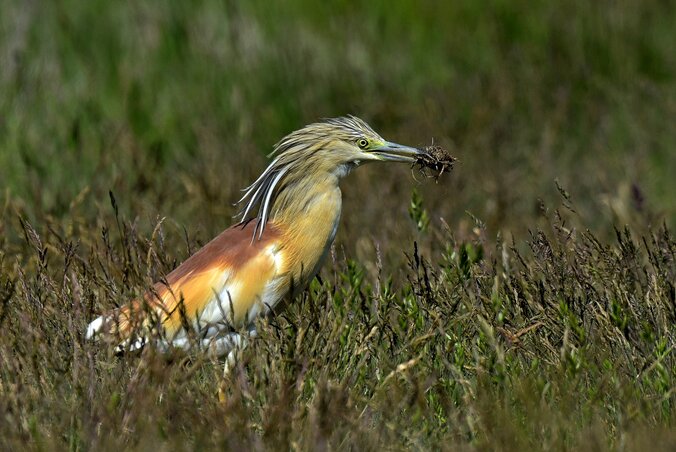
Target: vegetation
526 300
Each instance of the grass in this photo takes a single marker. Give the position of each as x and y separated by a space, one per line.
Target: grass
525 301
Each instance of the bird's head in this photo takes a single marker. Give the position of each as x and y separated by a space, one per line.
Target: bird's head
337 143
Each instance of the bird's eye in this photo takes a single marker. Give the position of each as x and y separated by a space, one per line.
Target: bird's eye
362 143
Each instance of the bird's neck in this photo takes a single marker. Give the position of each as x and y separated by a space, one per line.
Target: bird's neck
308 212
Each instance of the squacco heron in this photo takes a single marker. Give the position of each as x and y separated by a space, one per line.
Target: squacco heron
289 220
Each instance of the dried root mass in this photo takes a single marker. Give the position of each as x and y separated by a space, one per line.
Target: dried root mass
434 162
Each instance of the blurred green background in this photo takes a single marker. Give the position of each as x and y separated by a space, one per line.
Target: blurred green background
173 107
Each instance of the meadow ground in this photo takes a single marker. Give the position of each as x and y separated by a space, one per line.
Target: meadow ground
525 301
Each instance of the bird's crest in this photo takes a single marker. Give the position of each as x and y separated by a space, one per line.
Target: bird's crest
290 154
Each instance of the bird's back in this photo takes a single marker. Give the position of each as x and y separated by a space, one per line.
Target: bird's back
226 283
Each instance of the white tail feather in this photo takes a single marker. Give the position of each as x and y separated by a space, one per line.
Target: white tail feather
94 327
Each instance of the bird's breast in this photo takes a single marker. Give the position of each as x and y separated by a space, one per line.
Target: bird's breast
308 236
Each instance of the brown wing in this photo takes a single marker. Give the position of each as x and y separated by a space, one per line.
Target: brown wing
230 266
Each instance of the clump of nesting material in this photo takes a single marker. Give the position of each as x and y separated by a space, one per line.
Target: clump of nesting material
434 161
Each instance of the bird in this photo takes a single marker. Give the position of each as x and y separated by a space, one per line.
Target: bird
286 226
